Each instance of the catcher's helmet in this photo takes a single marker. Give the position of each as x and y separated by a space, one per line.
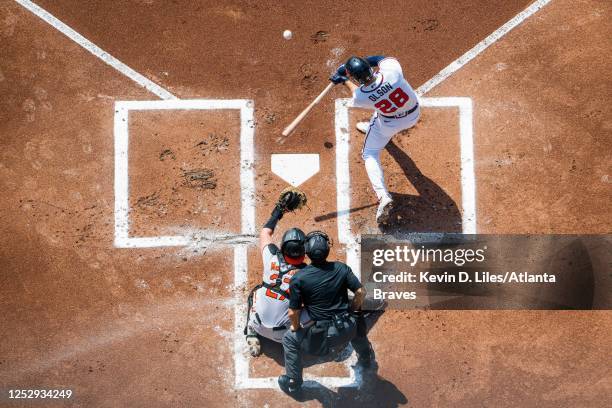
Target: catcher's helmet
317 246
359 69
292 243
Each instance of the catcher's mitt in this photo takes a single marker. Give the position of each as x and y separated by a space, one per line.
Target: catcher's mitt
291 199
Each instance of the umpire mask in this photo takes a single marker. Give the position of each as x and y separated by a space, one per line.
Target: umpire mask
317 246
292 244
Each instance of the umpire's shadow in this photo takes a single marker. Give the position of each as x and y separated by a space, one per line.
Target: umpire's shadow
374 390
432 210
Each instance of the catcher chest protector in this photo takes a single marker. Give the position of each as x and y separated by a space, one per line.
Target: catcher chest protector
283 268
359 69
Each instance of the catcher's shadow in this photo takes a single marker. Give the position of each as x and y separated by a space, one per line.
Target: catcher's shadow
432 210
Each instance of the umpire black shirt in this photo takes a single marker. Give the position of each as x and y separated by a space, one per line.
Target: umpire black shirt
322 289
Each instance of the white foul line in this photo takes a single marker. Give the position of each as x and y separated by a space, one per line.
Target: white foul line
95 50
480 47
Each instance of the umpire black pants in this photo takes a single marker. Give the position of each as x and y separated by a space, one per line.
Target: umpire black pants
294 345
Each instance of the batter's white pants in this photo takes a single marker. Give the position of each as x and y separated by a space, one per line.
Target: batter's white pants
379 133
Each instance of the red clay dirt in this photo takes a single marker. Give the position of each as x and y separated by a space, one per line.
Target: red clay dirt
154 327
181 179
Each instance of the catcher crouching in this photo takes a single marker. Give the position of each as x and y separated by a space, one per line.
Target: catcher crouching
268 302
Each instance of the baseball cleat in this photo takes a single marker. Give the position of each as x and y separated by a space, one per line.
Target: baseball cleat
384 208
254 345
362 127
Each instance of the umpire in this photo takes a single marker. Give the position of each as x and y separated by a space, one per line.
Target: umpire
321 288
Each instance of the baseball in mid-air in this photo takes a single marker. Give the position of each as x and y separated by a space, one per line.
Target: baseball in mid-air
287 34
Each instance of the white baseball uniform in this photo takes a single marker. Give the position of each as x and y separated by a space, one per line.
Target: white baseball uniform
269 315
396 108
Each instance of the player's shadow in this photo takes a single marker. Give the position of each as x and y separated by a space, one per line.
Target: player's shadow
432 210
374 391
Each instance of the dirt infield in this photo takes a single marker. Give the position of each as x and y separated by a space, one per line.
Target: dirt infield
155 326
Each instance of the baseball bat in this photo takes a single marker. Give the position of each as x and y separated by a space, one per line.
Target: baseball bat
289 129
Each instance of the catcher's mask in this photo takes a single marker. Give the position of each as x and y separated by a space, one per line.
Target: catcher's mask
292 244
317 246
359 70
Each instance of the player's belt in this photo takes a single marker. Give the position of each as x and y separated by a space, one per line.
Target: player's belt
403 114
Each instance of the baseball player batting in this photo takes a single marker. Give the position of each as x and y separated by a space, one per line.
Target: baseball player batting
395 107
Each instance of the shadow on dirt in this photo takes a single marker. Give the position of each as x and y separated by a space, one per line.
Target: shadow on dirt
334 214
433 210
374 391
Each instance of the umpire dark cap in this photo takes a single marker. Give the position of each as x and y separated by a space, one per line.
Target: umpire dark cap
292 244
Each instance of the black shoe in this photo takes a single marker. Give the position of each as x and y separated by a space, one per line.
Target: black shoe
289 385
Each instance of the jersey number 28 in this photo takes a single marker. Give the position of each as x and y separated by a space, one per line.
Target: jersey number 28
397 99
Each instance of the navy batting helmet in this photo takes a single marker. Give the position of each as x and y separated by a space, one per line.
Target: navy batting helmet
359 69
292 243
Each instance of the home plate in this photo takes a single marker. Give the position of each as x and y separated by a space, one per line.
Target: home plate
295 168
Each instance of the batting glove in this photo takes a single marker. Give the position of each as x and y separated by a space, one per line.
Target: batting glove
338 79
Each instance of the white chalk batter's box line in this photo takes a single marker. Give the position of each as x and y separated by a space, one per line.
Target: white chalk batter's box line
343 175
343 190
247 180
